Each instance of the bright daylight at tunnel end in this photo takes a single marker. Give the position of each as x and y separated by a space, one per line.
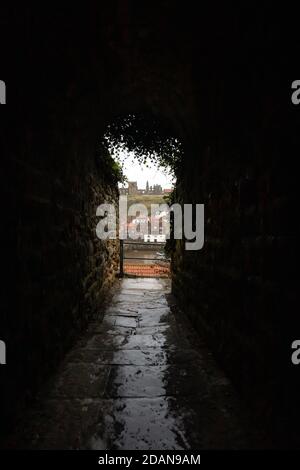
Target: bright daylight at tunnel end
149 309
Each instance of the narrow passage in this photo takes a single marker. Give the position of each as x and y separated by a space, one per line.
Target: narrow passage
139 379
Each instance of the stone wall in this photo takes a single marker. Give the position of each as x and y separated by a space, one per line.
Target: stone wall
58 271
215 78
240 289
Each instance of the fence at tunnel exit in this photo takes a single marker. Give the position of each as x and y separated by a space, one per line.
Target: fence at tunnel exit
143 259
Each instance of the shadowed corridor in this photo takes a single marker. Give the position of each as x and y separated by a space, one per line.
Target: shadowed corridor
139 379
126 360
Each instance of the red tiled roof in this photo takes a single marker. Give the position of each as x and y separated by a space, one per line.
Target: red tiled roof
147 270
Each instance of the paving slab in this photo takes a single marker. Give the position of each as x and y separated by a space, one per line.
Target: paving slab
140 378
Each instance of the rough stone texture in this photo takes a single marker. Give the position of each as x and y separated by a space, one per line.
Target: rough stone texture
140 379
64 270
241 287
215 79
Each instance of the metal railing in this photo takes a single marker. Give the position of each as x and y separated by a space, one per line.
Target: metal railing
146 245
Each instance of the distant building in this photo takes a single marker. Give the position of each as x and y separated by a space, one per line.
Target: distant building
157 189
132 188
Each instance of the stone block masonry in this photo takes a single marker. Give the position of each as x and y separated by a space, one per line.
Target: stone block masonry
214 81
241 287
60 271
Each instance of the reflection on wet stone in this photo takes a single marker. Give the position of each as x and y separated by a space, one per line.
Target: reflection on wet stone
140 379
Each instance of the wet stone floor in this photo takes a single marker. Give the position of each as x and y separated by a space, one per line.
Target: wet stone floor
138 379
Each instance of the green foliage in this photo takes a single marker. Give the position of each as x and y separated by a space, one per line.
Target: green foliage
109 168
169 198
149 139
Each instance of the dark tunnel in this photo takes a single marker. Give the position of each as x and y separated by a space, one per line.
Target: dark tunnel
214 80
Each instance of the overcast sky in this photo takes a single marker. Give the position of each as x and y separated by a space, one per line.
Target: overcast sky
140 173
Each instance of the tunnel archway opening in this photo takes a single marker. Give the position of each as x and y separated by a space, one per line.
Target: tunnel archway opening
148 137
148 155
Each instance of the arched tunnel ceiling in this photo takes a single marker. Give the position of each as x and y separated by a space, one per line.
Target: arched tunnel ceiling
214 74
124 57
